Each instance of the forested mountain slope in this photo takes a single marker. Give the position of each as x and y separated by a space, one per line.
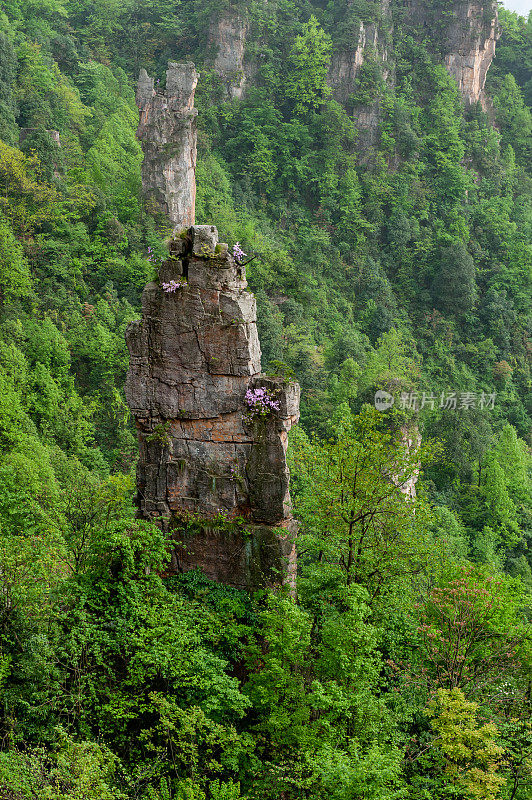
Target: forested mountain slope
352 145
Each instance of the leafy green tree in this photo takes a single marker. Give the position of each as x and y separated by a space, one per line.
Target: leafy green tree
393 361
515 118
321 727
516 737
352 506
25 201
82 771
15 278
502 512
470 750
454 287
309 61
7 79
114 162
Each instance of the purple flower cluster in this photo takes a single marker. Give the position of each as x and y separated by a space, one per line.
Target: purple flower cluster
238 253
173 286
260 401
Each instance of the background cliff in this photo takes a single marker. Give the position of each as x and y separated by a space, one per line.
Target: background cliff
353 148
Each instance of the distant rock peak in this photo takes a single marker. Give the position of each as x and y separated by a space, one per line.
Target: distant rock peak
473 38
168 135
370 41
466 37
228 35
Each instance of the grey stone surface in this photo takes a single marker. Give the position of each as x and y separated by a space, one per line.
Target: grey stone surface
145 88
464 38
371 41
168 135
205 239
193 356
228 36
181 82
467 39
472 38
255 557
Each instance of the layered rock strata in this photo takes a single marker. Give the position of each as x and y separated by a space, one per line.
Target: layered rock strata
167 131
210 466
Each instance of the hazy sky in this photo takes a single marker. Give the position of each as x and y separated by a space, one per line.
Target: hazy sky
522 6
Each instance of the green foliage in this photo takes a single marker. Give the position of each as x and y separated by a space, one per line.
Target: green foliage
309 59
26 202
470 751
114 162
352 500
15 280
80 771
470 631
391 229
8 64
454 288
515 117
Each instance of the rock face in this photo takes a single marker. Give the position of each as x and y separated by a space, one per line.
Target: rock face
228 35
370 42
466 36
206 459
473 36
167 131
411 439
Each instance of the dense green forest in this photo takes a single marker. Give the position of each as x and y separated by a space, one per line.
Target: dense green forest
404 668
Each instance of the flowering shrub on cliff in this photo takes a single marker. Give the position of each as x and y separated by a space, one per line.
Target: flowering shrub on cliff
238 253
260 402
173 286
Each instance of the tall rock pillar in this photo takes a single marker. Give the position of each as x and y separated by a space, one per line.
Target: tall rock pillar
167 132
212 429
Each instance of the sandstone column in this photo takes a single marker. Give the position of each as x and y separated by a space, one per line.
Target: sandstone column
167 131
211 469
